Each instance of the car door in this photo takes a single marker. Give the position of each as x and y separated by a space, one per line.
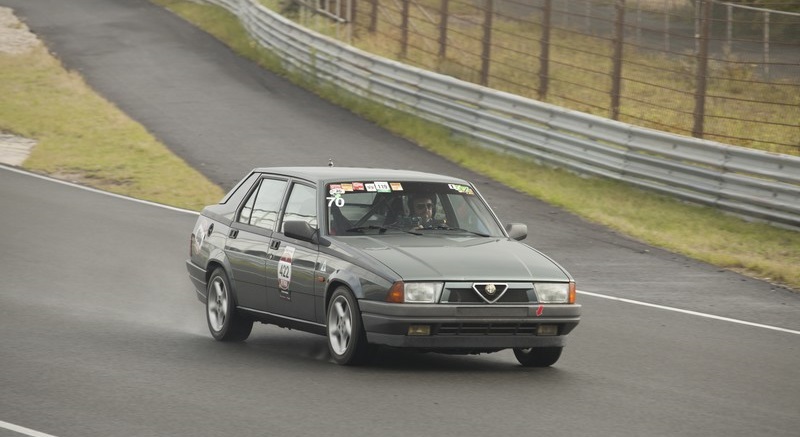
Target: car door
291 264
247 245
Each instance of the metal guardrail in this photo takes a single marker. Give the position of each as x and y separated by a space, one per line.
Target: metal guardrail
748 182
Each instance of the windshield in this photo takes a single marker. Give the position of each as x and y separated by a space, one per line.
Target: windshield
373 207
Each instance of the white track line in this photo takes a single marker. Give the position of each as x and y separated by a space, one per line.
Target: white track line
601 296
692 313
23 430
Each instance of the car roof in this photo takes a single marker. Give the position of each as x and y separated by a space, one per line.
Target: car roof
341 174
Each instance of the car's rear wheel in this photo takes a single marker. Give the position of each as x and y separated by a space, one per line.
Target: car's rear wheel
347 340
538 356
223 321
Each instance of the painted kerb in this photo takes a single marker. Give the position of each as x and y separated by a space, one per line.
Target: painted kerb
749 182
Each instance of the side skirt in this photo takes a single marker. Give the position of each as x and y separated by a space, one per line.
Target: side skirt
283 321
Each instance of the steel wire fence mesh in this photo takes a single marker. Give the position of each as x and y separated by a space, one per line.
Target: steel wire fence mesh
704 68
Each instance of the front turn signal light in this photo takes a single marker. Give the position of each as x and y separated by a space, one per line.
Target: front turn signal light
572 292
396 293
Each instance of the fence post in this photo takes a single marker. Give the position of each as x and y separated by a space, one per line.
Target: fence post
702 70
544 56
351 20
616 75
766 45
444 15
726 48
667 13
373 17
486 54
404 29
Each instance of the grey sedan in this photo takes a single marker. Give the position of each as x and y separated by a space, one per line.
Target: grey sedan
377 257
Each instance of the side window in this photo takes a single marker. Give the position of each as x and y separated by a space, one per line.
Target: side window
302 205
247 210
261 209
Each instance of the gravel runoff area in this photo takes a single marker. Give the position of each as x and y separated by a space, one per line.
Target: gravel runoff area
15 39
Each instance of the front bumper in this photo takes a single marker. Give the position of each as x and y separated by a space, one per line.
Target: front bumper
467 326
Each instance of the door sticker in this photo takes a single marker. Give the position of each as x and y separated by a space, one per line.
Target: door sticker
285 272
200 234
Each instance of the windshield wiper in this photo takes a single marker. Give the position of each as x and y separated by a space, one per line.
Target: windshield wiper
380 229
362 228
450 228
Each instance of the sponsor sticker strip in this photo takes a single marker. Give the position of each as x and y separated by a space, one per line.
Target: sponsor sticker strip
376 186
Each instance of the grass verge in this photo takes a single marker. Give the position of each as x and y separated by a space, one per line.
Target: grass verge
83 138
754 249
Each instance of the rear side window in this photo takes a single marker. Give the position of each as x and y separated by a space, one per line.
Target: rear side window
302 205
261 208
237 193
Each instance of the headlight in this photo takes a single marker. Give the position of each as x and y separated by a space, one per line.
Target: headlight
553 292
415 292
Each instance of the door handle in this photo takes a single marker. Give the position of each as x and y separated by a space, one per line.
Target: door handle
275 244
233 233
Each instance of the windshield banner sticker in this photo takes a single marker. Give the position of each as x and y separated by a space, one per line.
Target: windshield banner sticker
358 186
463 189
383 187
285 272
396 186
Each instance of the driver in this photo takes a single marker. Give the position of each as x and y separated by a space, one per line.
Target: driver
423 208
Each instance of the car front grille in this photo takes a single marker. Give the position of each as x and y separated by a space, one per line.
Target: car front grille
487 329
465 293
461 295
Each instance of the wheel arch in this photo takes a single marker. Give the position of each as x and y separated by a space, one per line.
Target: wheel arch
217 259
342 278
363 283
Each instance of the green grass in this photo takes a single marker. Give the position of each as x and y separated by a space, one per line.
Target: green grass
84 138
755 249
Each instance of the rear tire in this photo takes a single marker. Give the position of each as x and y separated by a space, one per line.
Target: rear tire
224 323
538 356
347 340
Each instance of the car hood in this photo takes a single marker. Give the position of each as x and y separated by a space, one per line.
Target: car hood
451 258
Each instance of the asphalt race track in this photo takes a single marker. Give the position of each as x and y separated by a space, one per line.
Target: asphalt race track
102 335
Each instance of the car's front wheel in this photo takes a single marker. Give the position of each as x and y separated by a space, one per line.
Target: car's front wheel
538 356
347 340
223 321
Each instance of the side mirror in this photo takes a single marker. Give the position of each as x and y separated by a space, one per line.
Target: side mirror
517 231
300 230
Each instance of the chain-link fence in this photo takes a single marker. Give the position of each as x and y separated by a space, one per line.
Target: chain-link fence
705 68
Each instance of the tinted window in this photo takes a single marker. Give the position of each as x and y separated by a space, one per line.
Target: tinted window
261 209
302 205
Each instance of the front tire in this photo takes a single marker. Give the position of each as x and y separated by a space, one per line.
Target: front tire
538 356
224 323
347 340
